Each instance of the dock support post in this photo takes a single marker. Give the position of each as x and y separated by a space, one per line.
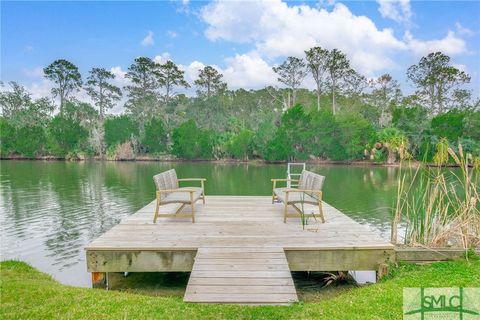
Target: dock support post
383 270
99 280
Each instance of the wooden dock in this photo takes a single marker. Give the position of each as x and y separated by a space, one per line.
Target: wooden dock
238 250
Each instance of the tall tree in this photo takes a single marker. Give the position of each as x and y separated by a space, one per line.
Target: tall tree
67 78
385 92
170 76
210 81
291 73
434 78
103 93
338 68
143 75
142 93
317 59
18 107
12 102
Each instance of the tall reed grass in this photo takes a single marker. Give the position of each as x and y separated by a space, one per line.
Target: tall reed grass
438 207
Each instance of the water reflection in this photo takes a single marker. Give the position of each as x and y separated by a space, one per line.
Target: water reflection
51 210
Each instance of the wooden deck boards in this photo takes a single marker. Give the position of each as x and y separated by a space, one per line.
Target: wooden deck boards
237 241
240 278
237 221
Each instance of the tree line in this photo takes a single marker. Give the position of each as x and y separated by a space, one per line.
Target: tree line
346 116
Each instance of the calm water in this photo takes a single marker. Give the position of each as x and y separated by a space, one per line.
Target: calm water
50 210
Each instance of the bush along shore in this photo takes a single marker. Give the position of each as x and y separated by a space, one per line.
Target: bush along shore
345 119
30 294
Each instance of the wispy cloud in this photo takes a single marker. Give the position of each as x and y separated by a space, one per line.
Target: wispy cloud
172 34
148 40
463 31
397 10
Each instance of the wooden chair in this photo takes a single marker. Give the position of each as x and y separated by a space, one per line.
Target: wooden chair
309 191
168 191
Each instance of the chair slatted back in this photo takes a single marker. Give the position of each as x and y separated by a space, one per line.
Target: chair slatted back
166 180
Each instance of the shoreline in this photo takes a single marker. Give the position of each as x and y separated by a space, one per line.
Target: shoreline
169 158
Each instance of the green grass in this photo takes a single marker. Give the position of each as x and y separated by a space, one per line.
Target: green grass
29 294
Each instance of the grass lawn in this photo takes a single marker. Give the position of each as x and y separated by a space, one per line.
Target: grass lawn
29 294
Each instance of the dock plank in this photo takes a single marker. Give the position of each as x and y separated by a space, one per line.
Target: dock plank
248 282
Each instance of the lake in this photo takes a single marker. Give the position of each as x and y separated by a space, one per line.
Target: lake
50 210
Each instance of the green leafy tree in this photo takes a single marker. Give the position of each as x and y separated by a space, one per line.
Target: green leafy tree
21 110
317 59
67 134
435 78
241 145
415 124
155 139
291 73
7 137
190 142
449 125
67 78
209 82
142 103
338 68
357 133
471 126
169 77
292 137
14 101
30 140
103 93
326 136
119 129
385 94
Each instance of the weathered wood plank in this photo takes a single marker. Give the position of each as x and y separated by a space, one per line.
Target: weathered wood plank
335 260
139 261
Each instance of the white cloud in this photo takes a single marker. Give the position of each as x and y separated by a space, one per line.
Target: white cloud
172 34
162 58
461 30
248 71
191 70
277 29
451 44
397 10
36 72
148 40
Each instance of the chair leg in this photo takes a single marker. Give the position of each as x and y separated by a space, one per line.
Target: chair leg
320 210
285 212
193 207
157 208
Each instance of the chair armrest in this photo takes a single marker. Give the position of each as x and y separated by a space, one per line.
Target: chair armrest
192 179
284 180
303 190
175 190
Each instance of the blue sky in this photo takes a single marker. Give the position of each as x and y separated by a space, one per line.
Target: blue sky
242 39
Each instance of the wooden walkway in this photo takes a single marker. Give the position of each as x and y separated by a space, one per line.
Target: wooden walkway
241 275
240 236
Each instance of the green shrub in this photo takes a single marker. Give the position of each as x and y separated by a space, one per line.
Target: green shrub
7 137
293 136
356 134
119 129
449 125
67 135
190 142
241 145
155 139
30 140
